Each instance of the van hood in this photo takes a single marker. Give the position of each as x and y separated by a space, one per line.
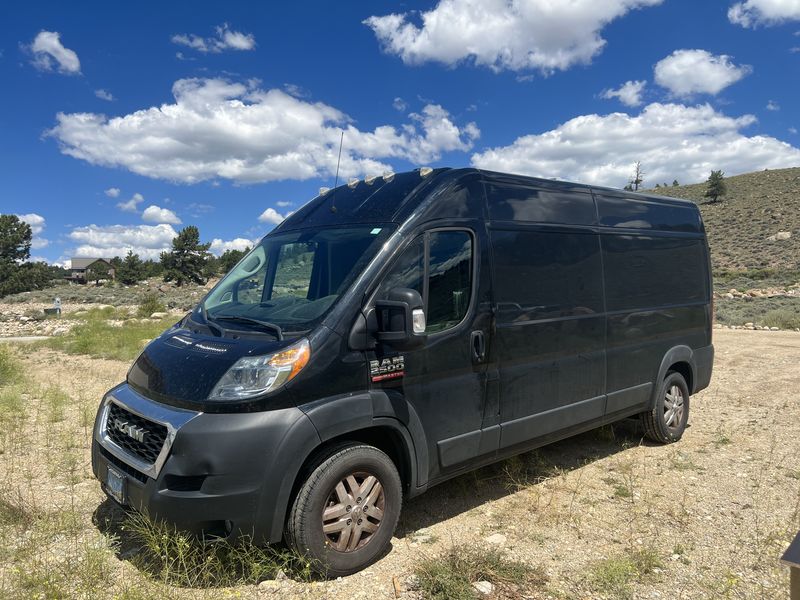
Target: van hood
181 367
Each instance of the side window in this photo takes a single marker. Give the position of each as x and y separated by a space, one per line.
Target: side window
449 279
439 266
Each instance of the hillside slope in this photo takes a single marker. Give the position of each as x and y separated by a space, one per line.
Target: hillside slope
758 205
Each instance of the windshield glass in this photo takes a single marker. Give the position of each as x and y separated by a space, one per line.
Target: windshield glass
292 280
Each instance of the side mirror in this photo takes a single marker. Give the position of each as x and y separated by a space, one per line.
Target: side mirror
400 319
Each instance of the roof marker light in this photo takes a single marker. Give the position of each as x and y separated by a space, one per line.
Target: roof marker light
353 182
370 179
425 171
388 176
324 190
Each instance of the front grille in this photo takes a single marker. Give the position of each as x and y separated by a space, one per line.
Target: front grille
122 423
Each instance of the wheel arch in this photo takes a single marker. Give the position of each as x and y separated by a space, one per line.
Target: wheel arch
375 418
680 359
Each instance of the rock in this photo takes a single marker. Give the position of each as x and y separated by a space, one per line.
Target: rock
159 315
728 296
749 325
774 328
484 588
281 576
497 538
780 236
269 586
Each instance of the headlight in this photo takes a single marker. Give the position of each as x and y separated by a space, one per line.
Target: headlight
255 375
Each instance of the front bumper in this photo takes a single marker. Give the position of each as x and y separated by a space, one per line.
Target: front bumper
226 475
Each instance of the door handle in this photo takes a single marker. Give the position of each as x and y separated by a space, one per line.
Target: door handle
477 343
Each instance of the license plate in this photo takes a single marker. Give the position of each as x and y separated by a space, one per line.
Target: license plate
115 485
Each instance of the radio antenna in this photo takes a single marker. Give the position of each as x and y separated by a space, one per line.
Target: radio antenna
336 181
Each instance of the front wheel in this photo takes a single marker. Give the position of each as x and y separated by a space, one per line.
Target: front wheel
667 421
346 510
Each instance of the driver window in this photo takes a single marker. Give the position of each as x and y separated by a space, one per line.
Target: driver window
449 276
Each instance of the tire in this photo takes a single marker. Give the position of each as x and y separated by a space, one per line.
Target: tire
663 424
355 491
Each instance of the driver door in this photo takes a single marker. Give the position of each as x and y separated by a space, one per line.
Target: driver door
444 379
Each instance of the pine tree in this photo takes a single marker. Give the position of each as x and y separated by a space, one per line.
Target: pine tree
131 269
675 183
229 259
187 258
716 185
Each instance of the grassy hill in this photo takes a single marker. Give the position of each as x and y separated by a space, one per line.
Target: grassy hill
758 205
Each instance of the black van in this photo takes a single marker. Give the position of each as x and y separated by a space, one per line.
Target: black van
398 331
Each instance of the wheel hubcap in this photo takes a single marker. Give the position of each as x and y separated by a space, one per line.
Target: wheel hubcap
673 407
353 512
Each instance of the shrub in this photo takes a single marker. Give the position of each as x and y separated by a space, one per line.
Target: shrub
149 304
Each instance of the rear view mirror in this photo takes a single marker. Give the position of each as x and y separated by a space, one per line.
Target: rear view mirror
400 319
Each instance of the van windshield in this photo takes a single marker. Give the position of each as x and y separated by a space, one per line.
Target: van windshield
292 280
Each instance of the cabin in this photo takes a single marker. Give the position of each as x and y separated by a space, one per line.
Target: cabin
81 266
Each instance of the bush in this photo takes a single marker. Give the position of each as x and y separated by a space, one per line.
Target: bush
149 304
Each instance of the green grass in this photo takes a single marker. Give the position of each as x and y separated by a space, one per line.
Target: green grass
175 558
613 577
9 367
450 576
96 337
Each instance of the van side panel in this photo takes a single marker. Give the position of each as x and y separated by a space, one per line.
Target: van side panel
547 282
657 293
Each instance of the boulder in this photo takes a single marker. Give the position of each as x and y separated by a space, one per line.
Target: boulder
159 315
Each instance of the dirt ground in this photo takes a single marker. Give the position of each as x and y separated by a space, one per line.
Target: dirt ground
715 510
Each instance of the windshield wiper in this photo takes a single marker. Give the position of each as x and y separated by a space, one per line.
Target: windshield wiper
275 329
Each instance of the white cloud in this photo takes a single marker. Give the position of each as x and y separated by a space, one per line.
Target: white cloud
104 95
399 104
629 93
752 13
112 192
271 216
542 35
671 141
131 205
687 72
773 106
283 203
37 225
37 222
225 39
49 54
793 130
148 241
226 130
219 246
156 214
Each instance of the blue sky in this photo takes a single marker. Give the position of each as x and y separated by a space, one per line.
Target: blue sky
121 124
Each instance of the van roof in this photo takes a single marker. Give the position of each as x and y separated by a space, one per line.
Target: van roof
391 199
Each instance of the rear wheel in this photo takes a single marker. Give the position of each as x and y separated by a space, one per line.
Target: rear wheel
667 421
346 510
